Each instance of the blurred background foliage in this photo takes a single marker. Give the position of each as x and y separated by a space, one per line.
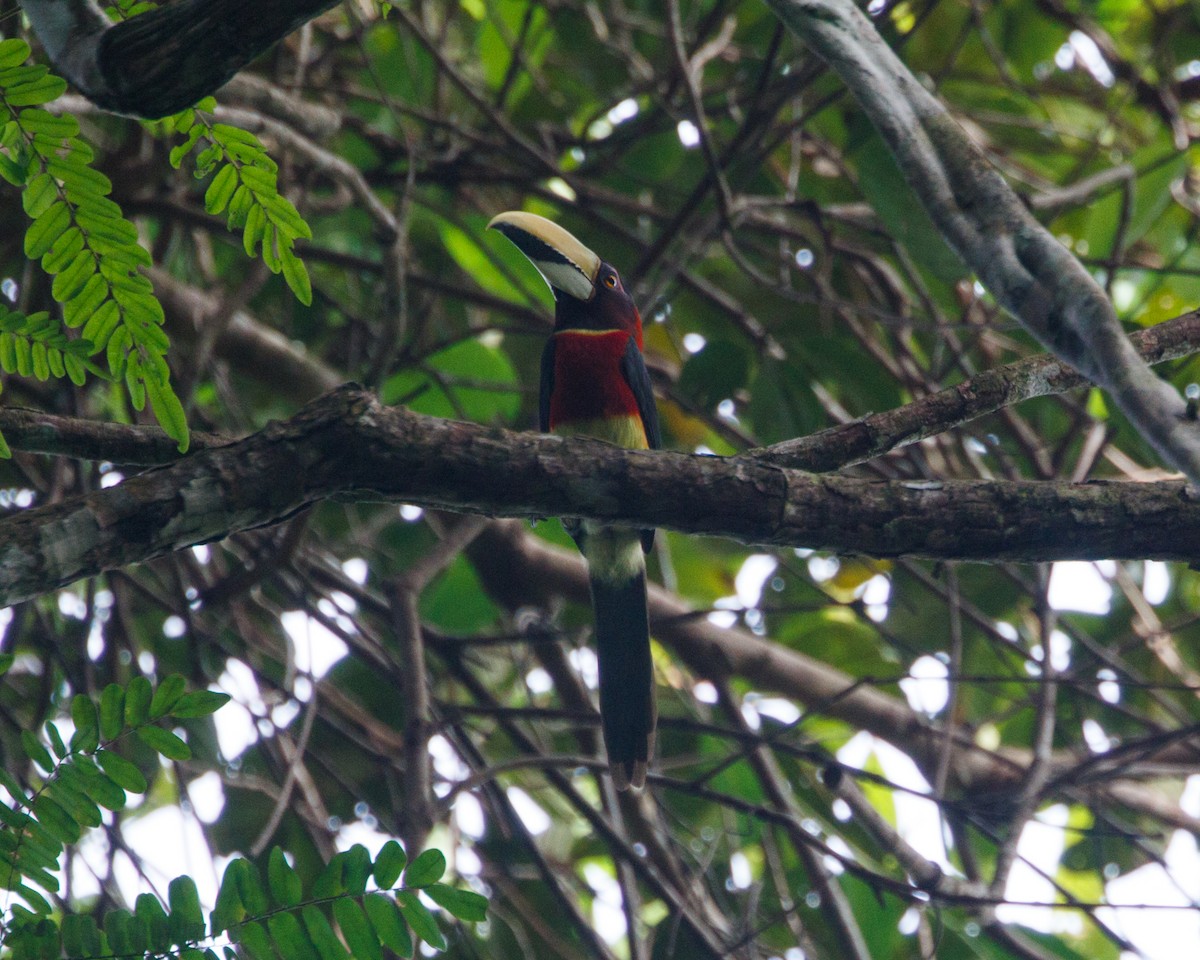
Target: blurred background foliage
788 282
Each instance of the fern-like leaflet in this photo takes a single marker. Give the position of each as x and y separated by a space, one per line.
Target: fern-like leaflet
82 238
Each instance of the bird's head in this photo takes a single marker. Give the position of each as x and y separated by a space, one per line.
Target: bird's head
588 293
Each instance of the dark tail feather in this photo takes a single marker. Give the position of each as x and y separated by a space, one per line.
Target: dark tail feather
627 710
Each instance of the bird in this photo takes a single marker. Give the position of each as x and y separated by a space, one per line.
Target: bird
594 383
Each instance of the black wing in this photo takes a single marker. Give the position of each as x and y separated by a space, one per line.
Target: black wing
547 386
633 369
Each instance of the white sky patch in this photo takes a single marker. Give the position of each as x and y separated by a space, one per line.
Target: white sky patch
693 342
627 109
751 578
1089 55
207 796
559 186
446 761
607 916
740 876
317 647
689 133
926 686
1060 651
875 594
779 709
8 287
364 833
468 815
467 862
1095 737
1159 934
90 861
1156 581
823 568
535 819
917 818
1082 586
356 569
169 844
235 723
583 659
1124 293
538 681
1041 847
411 513
705 692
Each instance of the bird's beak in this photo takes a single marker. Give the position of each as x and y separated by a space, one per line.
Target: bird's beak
568 266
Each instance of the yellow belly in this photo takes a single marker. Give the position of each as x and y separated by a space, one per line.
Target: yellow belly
625 432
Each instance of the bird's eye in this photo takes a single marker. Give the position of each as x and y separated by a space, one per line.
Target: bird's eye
611 281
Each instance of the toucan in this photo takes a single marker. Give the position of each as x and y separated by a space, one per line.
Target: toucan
595 384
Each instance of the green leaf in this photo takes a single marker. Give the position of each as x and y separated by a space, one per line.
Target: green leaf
54 126
423 923
82 810
360 935
168 411
35 93
12 171
463 904
250 888
199 703
296 275
356 869
91 304
284 881
158 928
112 711
426 869
321 933
117 927
167 695
290 939
186 921
253 936
36 901
13 53
36 751
221 190
123 773
389 864
46 229
228 909
389 924
87 724
137 701
40 193
72 278
164 742
60 824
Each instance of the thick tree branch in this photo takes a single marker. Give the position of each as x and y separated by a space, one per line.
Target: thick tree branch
1025 268
347 446
163 61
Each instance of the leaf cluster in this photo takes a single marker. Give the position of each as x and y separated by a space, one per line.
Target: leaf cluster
245 187
82 238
